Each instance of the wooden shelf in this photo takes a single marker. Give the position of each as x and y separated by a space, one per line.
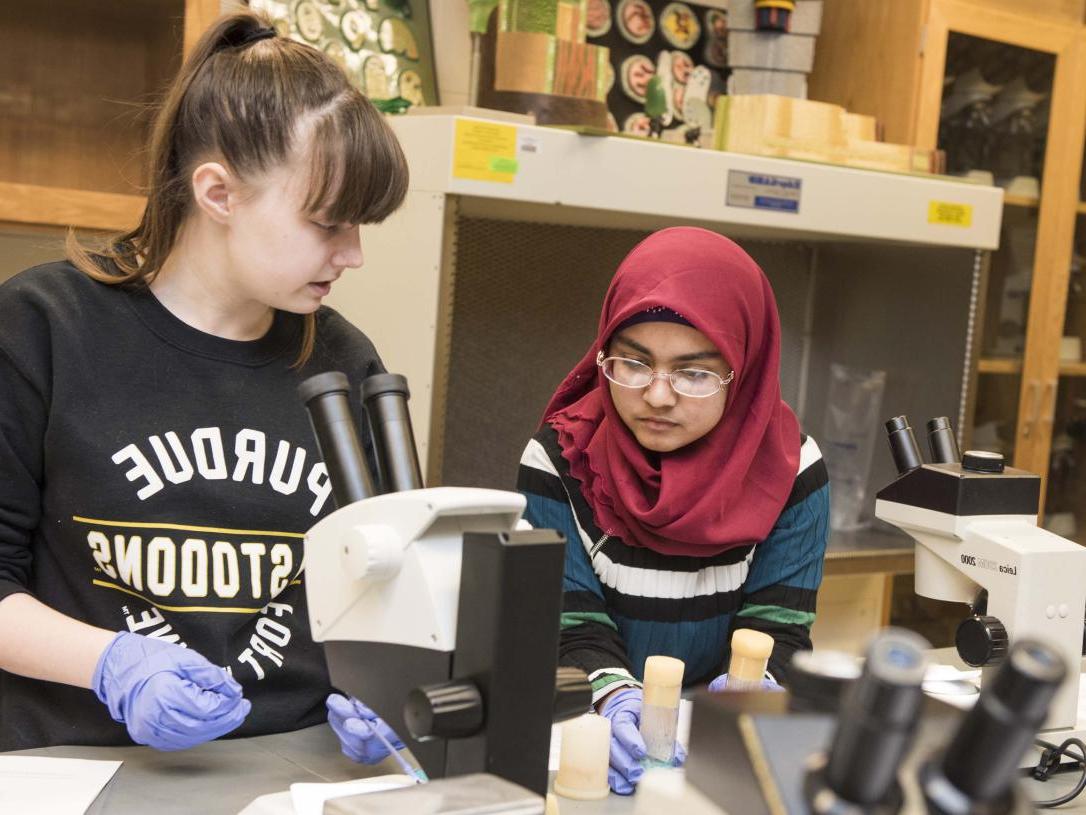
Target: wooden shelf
74 126
992 365
565 170
36 204
1081 207
1021 201
1073 369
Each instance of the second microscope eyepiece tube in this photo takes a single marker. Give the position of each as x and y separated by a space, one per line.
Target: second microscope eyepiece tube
325 397
941 441
903 445
385 397
982 758
878 719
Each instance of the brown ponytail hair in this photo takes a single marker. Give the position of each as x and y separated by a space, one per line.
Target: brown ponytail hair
245 98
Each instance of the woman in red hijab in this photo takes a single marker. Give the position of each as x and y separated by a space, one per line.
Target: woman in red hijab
691 501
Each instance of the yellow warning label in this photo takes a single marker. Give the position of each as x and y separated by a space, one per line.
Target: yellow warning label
948 213
485 151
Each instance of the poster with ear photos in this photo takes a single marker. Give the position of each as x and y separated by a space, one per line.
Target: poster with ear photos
683 43
383 45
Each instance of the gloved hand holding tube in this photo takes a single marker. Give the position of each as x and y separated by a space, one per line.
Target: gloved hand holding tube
720 685
357 727
365 737
167 696
747 667
623 708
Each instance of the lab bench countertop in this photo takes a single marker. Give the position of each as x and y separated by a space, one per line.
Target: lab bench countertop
223 777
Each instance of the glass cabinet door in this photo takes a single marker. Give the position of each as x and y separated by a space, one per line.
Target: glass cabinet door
993 126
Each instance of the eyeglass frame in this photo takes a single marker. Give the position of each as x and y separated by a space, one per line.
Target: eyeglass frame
724 381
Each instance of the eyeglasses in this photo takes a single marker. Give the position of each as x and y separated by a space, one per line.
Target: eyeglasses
629 373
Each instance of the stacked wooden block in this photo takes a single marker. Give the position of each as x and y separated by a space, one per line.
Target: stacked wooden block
541 48
783 127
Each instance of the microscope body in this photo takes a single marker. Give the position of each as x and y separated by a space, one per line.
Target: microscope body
876 744
977 529
443 619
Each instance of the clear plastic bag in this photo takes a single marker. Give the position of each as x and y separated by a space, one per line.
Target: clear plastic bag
848 441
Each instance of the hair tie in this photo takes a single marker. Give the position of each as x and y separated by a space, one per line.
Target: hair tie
256 35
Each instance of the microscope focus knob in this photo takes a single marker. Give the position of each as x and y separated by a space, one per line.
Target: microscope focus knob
981 641
982 461
448 710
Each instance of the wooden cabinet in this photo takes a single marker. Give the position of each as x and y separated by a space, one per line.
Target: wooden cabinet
899 62
77 80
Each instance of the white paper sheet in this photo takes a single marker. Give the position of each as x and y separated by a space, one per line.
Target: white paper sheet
308 799
51 786
685 706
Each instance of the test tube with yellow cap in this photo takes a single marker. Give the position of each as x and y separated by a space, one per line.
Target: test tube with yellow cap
660 707
750 656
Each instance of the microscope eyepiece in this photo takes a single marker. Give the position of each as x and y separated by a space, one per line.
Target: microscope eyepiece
385 397
903 445
325 397
1036 672
878 719
982 757
941 441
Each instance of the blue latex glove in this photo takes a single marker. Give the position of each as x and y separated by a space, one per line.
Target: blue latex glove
719 685
353 722
167 696
623 708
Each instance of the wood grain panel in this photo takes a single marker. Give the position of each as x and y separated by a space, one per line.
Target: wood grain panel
199 15
1071 11
868 60
77 79
1052 260
33 204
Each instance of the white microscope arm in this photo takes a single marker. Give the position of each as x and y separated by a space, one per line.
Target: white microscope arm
1036 580
387 569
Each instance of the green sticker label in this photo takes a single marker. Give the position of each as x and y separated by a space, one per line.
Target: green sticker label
503 164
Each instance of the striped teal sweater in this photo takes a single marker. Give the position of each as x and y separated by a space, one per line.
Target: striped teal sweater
624 603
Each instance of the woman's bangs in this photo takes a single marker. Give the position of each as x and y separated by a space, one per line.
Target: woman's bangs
358 171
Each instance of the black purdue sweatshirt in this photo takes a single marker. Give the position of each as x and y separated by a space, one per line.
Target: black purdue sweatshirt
157 479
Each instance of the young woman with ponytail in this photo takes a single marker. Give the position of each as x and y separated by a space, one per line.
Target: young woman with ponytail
157 472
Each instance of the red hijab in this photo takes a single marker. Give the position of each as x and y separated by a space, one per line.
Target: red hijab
728 488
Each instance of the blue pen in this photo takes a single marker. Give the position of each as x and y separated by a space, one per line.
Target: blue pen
417 774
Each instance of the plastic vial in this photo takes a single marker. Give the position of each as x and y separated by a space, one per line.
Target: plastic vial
750 656
660 708
582 767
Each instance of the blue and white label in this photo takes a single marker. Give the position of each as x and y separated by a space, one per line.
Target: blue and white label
779 193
